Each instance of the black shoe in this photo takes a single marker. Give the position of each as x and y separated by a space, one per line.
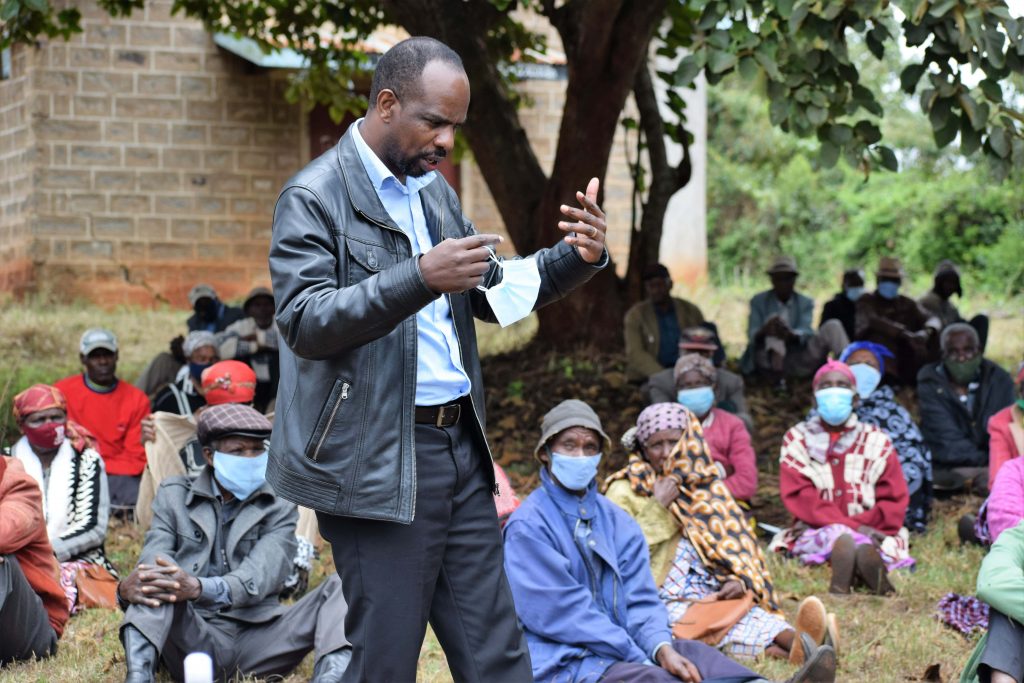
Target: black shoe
332 666
819 665
965 530
140 656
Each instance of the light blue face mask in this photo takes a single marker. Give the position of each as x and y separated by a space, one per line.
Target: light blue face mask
888 289
699 400
513 298
574 472
854 293
867 378
834 404
238 474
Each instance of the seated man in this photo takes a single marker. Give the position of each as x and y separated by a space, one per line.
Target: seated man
580 576
729 396
957 397
781 342
60 455
937 302
33 609
652 327
999 655
209 315
184 395
253 339
213 564
112 410
897 322
843 306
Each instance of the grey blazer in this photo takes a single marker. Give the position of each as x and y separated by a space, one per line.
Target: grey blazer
259 545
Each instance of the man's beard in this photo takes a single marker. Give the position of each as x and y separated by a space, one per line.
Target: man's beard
409 167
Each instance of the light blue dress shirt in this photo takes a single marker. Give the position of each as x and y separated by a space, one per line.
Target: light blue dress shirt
440 377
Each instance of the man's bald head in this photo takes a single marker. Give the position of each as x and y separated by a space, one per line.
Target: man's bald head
400 68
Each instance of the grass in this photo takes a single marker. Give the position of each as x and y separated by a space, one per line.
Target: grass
883 639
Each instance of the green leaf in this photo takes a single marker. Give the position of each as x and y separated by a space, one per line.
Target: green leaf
829 155
910 76
629 123
816 115
868 132
778 111
720 61
687 71
970 139
9 10
999 141
874 44
946 134
941 8
840 134
992 90
767 62
972 111
748 68
887 158
40 6
797 17
784 8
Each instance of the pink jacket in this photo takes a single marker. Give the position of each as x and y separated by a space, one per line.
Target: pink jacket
1006 439
1005 508
729 443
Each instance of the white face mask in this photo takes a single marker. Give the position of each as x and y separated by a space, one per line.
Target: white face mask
514 297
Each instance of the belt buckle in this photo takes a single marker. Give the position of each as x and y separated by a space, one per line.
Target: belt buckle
442 414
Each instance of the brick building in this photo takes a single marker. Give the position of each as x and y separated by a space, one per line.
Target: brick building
139 157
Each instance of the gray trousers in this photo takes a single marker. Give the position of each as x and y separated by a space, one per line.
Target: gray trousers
804 361
275 647
446 567
25 630
714 667
1004 650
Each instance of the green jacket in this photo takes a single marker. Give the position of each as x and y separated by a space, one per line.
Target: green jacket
1001 585
642 338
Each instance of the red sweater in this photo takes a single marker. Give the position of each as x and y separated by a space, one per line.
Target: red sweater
23 534
115 418
729 442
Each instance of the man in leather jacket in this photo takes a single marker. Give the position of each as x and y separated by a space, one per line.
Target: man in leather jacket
380 422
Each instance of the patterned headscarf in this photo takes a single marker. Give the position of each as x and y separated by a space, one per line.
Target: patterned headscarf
660 416
833 366
695 361
229 381
879 351
704 509
40 397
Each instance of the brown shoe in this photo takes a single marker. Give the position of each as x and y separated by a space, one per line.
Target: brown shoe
832 633
843 559
871 569
812 620
820 666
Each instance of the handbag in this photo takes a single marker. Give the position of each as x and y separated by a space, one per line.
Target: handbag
97 587
709 620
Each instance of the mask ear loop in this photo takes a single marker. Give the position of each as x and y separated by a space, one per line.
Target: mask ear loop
494 257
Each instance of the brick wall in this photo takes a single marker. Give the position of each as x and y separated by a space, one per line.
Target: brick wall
15 174
159 159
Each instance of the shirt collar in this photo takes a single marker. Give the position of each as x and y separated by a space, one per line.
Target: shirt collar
569 503
380 176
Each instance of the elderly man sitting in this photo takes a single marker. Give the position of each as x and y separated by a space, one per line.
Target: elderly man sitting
214 562
957 396
583 589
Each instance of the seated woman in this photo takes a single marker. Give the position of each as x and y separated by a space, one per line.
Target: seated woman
184 396
726 436
1006 432
673 489
878 407
60 455
841 480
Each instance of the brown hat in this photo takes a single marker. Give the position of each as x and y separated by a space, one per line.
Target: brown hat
231 419
569 413
697 339
783 264
889 266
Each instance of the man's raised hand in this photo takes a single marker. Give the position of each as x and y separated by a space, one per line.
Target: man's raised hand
586 231
456 265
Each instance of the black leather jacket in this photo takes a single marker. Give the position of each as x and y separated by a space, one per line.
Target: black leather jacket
347 288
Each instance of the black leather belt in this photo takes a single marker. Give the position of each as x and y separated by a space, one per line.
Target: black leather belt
439 416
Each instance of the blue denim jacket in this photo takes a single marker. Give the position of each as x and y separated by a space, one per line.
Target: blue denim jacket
585 600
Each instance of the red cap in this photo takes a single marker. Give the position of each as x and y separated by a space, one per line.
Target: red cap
229 381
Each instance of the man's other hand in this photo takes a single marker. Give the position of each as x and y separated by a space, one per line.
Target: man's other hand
587 229
677 665
457 265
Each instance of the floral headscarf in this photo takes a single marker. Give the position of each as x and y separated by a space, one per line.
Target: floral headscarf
40 397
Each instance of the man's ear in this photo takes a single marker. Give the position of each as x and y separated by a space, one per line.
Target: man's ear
81 357
208 455
387 105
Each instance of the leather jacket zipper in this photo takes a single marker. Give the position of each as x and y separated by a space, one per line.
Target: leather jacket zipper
330 420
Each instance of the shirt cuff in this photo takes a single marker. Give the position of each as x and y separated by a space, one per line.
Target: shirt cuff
215 593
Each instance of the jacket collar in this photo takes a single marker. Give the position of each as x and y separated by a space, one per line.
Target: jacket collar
569 503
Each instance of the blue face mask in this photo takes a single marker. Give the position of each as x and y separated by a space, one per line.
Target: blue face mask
196 369
699 400
854 293
888 289
574 473
238 474
867 378
834 404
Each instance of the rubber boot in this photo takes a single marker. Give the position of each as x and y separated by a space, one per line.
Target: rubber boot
871 569
844 557
140 656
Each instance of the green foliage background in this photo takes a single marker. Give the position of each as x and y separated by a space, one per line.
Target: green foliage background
766 194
